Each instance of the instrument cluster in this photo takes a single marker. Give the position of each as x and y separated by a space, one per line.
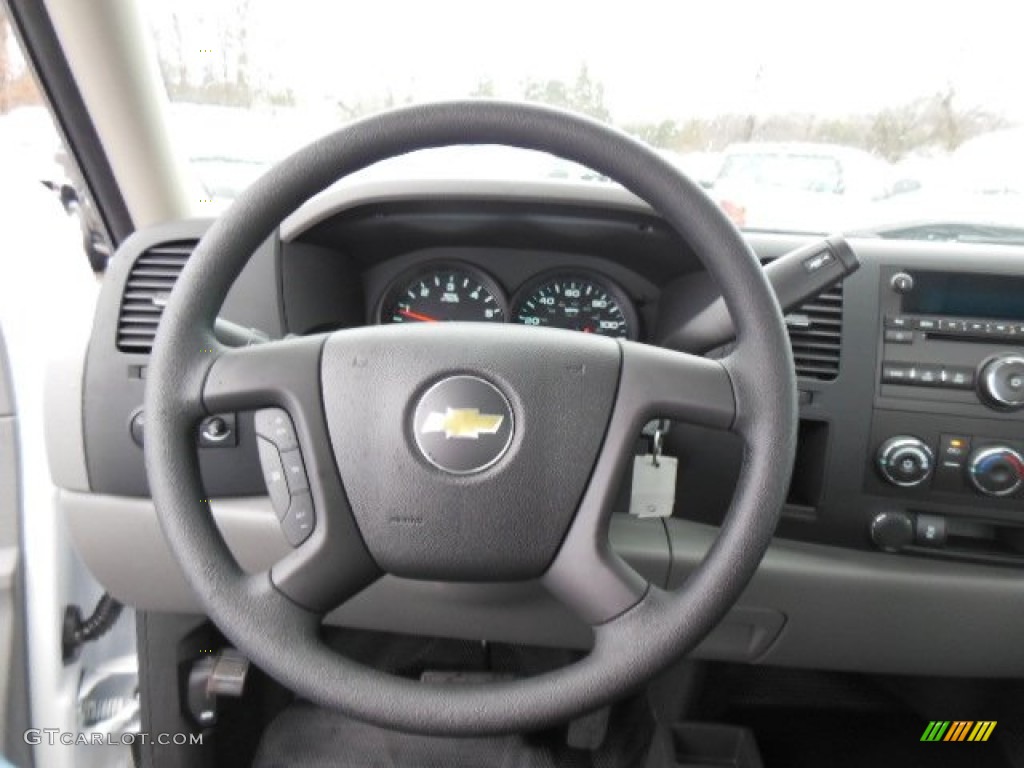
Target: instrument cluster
577 299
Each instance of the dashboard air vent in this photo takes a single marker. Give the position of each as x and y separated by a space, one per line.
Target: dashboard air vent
815 333
149 284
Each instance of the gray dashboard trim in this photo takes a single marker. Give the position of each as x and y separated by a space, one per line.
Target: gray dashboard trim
115 535
64 415
808 605
351 193
875 612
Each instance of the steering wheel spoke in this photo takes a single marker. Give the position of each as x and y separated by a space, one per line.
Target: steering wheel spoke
281 379
654 383
662 383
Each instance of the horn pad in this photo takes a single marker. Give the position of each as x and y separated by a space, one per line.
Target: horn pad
465 449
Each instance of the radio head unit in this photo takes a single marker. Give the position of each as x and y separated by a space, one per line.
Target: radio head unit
955 338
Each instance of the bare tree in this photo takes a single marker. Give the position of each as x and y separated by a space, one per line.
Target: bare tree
585 94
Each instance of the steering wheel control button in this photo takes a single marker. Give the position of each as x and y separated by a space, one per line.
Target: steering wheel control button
284 473
294 471
276 425
463 425
1001 382
996 470
905 461
274 476
298 523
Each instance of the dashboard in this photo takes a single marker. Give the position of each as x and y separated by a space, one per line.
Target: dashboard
907 490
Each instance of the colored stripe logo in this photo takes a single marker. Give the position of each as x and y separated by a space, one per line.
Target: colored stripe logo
958 730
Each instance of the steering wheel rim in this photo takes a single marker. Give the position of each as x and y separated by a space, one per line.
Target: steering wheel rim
638 628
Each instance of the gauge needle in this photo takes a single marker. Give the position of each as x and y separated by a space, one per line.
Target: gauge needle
417 316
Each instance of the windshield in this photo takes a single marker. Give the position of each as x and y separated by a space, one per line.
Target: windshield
794 116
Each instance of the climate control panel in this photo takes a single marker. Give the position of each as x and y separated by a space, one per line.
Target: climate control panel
954 463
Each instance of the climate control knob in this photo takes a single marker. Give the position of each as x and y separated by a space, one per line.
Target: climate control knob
996 470
1001 382
905 461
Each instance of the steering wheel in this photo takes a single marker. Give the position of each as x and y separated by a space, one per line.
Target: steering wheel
466 452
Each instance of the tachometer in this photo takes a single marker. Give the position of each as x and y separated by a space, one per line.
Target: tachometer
577 302
444 293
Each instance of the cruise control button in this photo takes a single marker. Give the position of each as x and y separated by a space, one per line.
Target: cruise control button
275 425
294 470
273 476
298 524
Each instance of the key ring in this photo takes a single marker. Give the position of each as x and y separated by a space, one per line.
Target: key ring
657 440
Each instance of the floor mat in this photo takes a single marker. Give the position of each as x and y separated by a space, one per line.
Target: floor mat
304 736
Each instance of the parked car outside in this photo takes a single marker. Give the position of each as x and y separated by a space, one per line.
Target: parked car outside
798 186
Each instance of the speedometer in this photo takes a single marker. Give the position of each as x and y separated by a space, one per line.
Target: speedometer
444 292
577 302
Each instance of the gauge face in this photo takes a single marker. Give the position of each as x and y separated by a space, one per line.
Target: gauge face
577 303
447 293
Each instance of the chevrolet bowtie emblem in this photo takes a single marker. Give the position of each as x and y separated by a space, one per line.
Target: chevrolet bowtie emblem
467 423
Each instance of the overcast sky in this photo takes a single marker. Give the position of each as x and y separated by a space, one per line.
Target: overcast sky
656 59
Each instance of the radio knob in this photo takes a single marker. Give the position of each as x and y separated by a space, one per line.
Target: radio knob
1001 382
901 282
905 461
996 470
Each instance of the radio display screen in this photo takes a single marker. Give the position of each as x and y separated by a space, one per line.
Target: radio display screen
966 295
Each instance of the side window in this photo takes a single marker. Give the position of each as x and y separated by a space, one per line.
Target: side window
33 157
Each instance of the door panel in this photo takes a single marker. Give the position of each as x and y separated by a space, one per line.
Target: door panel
14 703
